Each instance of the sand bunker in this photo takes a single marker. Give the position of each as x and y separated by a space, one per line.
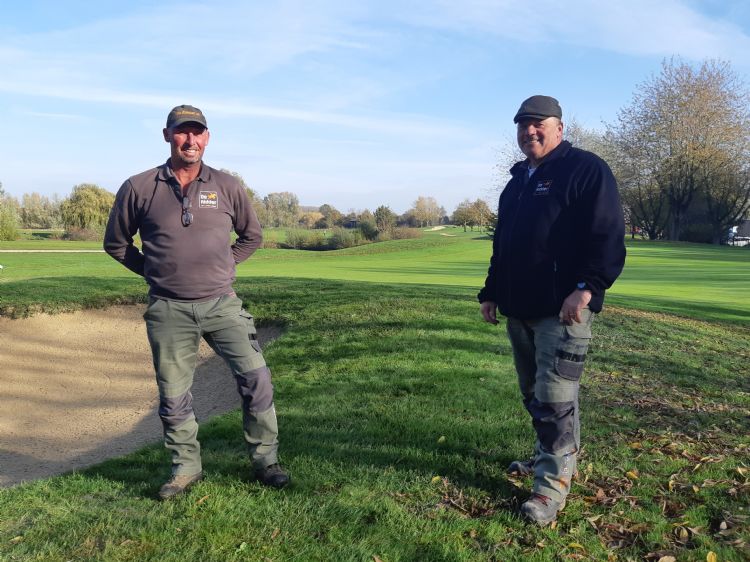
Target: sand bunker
76 389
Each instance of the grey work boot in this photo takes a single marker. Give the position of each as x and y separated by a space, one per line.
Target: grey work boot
273 476
521 468
177 484
541 510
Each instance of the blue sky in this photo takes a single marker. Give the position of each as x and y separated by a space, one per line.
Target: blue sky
354 104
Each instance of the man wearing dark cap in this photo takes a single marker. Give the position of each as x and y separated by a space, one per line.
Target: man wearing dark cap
558 246
185 211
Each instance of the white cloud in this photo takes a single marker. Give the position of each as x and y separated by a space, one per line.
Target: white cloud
633 27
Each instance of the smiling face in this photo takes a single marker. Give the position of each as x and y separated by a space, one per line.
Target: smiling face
538 137
188 142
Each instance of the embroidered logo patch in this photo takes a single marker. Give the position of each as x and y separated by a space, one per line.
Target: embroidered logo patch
209 200
542 187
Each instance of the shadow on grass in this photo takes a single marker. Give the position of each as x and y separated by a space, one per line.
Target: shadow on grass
401 380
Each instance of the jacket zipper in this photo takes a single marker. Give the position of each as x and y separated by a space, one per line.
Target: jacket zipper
521 192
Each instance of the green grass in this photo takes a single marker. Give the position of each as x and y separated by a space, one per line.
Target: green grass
374 369
692 280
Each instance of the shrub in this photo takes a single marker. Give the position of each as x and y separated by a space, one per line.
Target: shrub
84 234
402 233
342 238
305 240
368 229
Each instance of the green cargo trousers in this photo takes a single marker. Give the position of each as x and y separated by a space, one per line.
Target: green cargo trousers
174 331
549 358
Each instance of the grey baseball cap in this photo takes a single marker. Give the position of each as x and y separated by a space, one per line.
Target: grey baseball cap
538 107
185 114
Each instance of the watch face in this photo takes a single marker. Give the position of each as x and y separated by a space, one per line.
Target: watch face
581 285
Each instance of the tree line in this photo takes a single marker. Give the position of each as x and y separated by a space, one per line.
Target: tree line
83 214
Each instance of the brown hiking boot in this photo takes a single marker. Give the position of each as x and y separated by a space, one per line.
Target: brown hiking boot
273 476
177 484
541 509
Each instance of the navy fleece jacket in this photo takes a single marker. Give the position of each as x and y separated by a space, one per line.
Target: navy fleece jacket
561 227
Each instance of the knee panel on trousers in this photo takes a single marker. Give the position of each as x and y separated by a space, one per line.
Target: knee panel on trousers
555 425
256 389
176 410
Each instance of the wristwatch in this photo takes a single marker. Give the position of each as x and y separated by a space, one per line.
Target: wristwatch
581 286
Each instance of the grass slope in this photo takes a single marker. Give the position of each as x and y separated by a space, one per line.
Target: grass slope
693 280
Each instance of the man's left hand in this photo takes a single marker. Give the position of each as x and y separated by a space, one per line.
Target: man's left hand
573 305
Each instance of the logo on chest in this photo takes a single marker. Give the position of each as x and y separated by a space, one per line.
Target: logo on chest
543 187
208 200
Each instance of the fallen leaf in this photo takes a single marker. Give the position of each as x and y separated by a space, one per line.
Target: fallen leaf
275 533
376 558
742 470
200 501
667 559
16 540
696 489
711 556
441 439
435 480
577 546
636 445
632 474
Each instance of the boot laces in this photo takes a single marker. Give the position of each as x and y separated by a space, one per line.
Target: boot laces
540 498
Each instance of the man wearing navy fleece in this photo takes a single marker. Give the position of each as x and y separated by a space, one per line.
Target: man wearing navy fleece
558 246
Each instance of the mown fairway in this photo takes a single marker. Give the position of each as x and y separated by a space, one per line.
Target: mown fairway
693 280
398 413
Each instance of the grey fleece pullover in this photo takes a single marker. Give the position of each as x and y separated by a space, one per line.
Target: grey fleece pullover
186 263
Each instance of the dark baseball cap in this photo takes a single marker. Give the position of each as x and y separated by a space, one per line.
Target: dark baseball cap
185 114
538 107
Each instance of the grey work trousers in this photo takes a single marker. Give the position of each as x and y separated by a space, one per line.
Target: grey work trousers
174 331
549 358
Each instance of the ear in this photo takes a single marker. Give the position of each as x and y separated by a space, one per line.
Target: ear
167 137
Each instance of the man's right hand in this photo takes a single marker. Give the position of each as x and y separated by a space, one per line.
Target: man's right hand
488 309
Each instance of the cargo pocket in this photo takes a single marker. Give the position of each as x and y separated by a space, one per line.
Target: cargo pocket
571 351
248 319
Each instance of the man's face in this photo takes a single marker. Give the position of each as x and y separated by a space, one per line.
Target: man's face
188 142
539 137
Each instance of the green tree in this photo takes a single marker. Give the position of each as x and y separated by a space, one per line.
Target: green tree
39 211
87 208
282 208
482 215
8 216
385 219
331 217
463 215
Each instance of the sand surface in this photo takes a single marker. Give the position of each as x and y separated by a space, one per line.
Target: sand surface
79 388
